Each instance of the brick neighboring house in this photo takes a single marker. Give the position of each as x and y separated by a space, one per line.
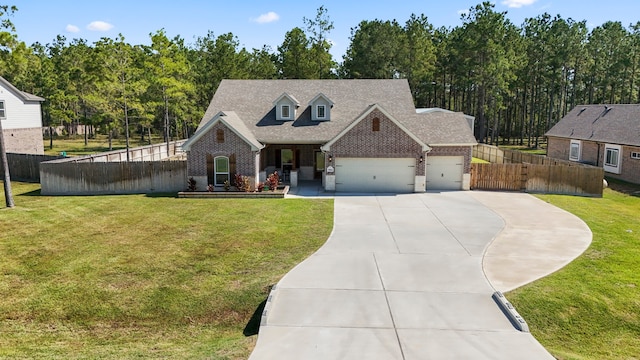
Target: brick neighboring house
600 135
353 135
21 120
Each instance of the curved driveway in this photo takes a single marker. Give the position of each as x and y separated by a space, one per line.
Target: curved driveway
401 277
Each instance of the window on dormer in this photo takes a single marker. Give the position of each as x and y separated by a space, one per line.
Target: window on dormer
285 111
321 111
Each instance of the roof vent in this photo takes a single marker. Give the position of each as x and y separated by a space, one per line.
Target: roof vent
581 111
606 110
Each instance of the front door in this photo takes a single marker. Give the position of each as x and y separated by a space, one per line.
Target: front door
318 165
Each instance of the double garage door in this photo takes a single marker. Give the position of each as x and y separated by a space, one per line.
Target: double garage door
395 175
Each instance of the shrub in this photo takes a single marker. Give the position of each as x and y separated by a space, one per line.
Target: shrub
272 181
191 184
242 183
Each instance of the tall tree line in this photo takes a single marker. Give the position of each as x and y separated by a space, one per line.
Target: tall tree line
516 80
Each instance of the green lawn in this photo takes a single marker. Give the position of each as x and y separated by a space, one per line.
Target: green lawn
74 145
144 277
542 150
591 308
475 160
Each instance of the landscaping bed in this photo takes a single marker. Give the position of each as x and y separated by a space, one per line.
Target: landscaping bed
222 194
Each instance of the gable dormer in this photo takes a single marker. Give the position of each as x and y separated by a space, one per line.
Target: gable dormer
286 106
321 108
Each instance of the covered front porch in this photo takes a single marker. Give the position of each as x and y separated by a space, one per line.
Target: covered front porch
293 162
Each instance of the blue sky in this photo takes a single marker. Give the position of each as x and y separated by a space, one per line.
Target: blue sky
256 23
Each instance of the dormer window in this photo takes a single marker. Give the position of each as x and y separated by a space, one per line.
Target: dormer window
285 111
321 108
321 111
286 106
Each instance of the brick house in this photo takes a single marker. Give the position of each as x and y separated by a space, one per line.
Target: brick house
600 135
21 120
353 135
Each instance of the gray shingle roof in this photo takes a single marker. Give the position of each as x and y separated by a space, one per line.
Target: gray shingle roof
231 119
620 124
24 96
252 101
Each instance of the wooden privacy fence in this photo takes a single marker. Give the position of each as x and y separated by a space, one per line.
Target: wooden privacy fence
495 155
537 178
26 167
86 178
148 171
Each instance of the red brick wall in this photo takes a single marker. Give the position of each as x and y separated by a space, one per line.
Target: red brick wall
389 142
630 167
589 153
558 148
465 151
208 144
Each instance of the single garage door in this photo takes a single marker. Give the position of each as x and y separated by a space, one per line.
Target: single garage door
375 175
444 172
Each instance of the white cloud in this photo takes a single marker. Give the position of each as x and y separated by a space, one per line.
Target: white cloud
72 28
99 26
266 18
517 3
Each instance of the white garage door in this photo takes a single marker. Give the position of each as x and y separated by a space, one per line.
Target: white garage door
375 175
444 172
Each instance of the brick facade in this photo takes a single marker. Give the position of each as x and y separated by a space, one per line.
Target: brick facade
630 167
465 151
592 153
208 145
389 142
558 148
24 141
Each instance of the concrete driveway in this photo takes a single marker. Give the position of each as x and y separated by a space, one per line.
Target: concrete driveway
401 277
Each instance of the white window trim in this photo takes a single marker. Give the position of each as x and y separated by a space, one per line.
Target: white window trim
324 109
612 168
288 107
216 173
635 155
579 143
3 110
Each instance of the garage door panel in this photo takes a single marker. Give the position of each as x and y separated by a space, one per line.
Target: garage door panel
444 172
375 175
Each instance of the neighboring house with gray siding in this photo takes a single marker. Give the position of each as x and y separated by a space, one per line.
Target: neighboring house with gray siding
353 135
21 120
602 135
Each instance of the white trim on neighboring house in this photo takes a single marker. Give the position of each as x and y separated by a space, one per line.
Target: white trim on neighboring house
327 146
575 150
612 158
635 155
3 110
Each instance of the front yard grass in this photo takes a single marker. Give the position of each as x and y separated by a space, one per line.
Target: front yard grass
144 277
591 308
